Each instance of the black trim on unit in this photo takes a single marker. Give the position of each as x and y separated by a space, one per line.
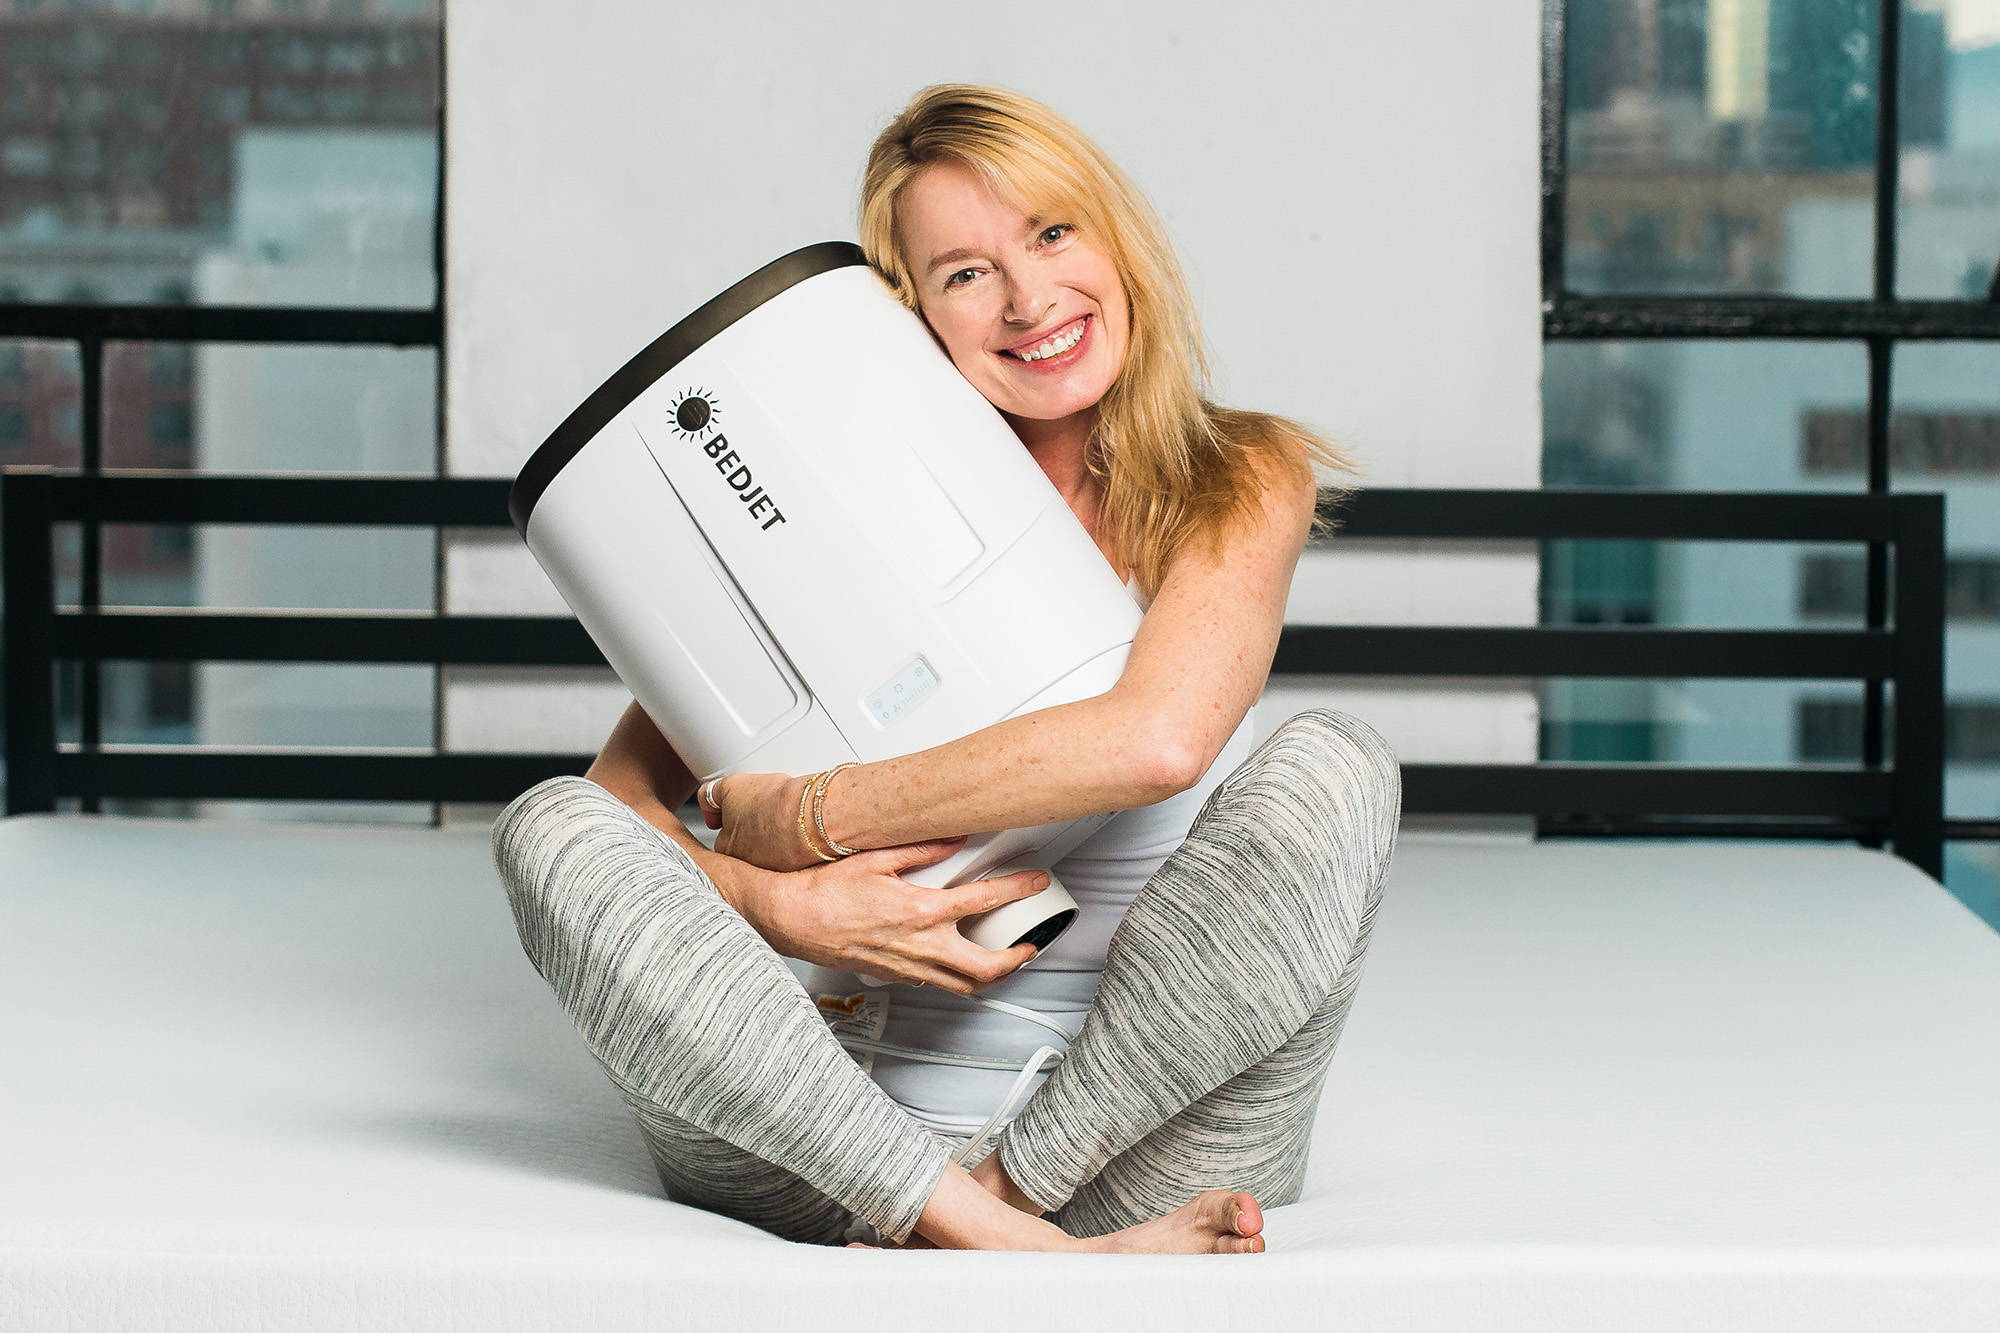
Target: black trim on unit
662 355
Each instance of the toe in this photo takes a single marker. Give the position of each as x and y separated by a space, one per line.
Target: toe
1249 1218
1220 1210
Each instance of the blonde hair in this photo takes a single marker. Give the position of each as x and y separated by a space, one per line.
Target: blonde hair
1173 465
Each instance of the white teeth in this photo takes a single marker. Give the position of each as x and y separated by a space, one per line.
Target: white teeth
1053 346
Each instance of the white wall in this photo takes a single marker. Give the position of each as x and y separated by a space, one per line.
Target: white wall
1353 190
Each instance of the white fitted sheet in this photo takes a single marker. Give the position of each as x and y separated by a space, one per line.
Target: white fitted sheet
295 1075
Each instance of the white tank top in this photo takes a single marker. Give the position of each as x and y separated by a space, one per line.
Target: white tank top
1104 874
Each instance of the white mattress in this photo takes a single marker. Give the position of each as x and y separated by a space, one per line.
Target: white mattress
302 1076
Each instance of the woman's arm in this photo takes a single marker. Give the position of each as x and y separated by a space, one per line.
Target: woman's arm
858 915
1053 764
1198 664
640 768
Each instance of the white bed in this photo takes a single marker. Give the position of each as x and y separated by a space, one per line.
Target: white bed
299 1075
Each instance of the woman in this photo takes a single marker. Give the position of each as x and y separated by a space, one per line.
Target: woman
1225 911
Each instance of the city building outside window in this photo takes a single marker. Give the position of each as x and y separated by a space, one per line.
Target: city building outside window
1772 245
159 158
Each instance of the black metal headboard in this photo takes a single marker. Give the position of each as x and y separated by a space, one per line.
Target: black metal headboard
1902 802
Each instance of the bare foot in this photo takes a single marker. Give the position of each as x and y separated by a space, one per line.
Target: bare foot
962 1215
1215 1222
993 1178
1212 1222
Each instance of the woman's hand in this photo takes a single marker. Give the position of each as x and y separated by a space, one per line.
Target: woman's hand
759 819
858 914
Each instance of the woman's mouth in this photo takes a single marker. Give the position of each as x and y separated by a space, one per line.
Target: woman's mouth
1061 348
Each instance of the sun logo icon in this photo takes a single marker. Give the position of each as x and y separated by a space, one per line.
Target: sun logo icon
694 412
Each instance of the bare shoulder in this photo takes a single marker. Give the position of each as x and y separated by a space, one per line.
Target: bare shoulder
1288 495
1290 484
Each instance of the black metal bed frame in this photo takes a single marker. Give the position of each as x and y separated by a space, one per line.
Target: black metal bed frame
1870 802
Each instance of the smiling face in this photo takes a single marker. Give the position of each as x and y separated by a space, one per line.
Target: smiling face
1030 309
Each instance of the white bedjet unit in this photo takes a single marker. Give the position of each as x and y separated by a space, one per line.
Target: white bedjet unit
799 536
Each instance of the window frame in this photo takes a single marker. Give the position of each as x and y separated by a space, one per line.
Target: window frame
1880 323
89 326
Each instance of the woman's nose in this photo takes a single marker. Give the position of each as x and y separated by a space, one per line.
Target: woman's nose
1029 305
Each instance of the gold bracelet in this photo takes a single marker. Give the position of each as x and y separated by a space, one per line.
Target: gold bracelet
804 832
819 807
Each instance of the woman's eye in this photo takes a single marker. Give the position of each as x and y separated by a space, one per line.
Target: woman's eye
1057 227
953 280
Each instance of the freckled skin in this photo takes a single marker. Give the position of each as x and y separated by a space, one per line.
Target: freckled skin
1023 280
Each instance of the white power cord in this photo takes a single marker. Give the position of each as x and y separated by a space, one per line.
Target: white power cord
1045 1055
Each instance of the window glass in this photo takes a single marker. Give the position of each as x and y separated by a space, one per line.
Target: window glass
1948 217
212 153
1728 148
220 153
1774 722
1720 146
1626 719
39 382
1972 873
1705 415
295 566
267 407
1722 585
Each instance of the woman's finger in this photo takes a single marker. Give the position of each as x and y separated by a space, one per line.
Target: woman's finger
986 966
914 970
983 895
910 855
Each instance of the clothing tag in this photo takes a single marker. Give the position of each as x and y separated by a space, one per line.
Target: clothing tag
862 1014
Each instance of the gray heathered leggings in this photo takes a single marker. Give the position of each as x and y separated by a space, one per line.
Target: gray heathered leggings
1198 1065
